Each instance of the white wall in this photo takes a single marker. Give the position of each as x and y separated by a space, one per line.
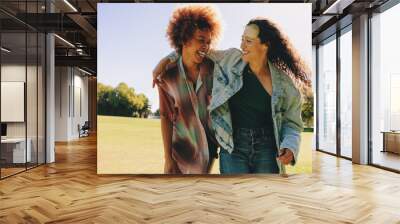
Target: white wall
71 102
62 81
80 110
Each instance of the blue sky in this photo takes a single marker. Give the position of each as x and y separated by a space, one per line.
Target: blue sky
131 36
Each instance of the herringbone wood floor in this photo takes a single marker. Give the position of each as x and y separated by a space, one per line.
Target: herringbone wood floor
69 191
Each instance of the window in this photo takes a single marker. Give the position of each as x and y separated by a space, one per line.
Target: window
385 88
346 93
22 65
327 96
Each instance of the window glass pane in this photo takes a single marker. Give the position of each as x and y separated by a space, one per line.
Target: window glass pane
327 96
346 94
385 84
31 97
22 88
14 153
41 98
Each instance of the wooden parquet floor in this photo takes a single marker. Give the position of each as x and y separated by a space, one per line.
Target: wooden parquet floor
70 191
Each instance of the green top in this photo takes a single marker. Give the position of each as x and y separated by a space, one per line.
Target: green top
251 105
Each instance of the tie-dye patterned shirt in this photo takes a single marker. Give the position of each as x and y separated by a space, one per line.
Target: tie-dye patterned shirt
185 105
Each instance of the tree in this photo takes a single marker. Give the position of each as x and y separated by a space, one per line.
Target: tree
125 106
105 99
121 101
307 110
157 113
144 109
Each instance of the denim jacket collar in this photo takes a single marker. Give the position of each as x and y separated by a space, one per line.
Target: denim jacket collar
237 69
239 66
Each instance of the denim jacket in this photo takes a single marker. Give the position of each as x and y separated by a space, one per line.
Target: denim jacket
285 103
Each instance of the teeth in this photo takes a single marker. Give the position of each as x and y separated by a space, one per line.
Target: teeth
201 53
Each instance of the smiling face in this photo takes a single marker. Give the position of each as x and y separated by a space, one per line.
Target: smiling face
197 47
251 45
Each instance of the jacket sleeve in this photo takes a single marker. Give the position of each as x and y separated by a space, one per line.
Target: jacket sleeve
173 56
292 124
214 55
219 55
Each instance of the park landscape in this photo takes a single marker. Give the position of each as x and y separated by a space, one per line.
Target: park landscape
131 145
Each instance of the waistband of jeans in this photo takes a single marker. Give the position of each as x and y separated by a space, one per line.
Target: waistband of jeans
254 131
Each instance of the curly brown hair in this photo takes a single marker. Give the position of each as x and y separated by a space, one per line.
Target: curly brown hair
281 52
187 19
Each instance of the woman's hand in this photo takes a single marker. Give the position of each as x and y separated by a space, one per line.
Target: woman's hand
159 70
286 156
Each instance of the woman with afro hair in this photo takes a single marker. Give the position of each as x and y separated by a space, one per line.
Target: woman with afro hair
189 143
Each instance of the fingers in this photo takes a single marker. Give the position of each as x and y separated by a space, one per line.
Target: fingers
157 80
158 71
155 77
208 99
286 157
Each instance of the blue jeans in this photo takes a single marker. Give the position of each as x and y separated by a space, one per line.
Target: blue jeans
254 152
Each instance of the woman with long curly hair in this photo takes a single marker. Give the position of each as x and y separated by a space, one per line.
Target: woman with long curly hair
189 143
256 101
261 91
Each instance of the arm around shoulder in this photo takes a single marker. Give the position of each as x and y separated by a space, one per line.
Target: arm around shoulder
162 66
219 55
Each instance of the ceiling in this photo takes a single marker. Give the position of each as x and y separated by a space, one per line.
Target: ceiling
76 22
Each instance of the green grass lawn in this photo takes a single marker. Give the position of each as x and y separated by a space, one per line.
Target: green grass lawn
134 146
